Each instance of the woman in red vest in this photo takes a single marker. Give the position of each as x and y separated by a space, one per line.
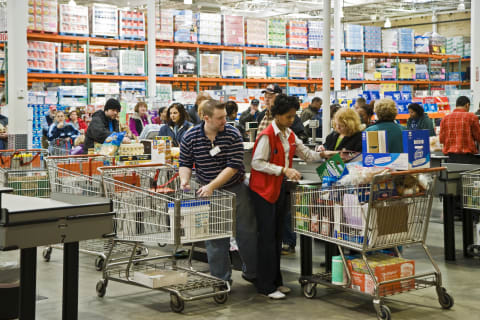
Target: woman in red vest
271 166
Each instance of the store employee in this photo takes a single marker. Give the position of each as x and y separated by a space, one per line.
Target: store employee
216 150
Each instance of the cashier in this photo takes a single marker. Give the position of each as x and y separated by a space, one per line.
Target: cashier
271 165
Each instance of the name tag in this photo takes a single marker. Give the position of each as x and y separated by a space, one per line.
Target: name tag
215 151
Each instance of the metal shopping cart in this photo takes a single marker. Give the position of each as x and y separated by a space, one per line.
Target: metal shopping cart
78 175
394 210
60 146
24 171
150 207
471 201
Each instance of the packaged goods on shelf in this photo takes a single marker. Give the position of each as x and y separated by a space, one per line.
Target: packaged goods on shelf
467 50
209 26
422 44
164 71
2 60
209 65
77 91
406 71
72 101
184 63
277 33
185 97
353 37
388 73
233 30
315 68
107 65
164 24
355 71
437 44
343 68
277 68
133 85
437 70
131 62
163 94
164 61
300 92
105 88
131 25
35 97
297 34
456 45
73 20
104 20
232 64
185 26
406 40
3 18
390 41
372 38
315 34
297 69
41 56
42 15
256 30
72 62
258 72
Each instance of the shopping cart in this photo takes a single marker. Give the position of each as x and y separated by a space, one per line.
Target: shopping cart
471 201
78 175
60 146
394 210
24 171
150 207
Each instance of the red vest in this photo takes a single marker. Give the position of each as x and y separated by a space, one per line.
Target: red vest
266 185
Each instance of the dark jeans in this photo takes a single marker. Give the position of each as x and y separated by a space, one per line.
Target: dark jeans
270 222
463 158
289 237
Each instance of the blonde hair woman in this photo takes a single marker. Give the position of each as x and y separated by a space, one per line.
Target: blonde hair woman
386 111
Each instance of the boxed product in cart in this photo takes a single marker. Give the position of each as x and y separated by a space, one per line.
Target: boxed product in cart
161 278
194 217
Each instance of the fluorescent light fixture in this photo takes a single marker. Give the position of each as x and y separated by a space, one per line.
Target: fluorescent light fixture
187 1
388 23
373 17
72 3
461 6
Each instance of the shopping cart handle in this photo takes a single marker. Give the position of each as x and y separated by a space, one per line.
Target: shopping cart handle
145 165
415 171
77 156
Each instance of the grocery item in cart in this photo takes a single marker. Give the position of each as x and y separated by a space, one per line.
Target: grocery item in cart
111 144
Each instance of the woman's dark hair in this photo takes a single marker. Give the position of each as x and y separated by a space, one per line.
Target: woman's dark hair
333 109
181 111
417 108
231 107
283 104
160 110
368 110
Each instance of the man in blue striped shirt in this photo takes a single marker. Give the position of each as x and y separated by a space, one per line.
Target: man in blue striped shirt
216 150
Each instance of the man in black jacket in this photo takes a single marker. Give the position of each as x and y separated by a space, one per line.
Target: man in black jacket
103 123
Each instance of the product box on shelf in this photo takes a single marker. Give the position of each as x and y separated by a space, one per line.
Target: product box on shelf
406 40
353 37
277 33
421 72
72 62
164 62
42 16
131 25
185 26
355 71
164 24
437 44
256 72
209 26
73 20
315 68
164 94
297 69
232 66
103 65
315 34
390 41
184 63
297 34
277 68
209 65
416 143
104 20
372 39
131 62
233 30
422 44
406 71
105 88
256 31
41 56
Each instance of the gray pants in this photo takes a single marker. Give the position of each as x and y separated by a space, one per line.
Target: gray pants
246 237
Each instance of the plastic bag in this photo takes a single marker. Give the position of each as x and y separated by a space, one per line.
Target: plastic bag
111 144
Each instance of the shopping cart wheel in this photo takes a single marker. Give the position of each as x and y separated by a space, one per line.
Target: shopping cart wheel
47 252
220 298
445 300
161 245
310 290
385 313
99 262
176 303
101 288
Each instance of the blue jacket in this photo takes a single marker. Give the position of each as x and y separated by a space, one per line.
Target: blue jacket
174 132
68 131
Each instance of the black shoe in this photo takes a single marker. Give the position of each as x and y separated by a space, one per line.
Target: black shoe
252 281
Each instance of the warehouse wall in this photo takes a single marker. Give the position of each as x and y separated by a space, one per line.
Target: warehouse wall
449 29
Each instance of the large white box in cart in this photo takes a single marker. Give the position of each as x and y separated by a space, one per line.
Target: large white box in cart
195 215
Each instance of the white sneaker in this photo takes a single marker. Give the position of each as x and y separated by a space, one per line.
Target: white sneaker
277 295
284 289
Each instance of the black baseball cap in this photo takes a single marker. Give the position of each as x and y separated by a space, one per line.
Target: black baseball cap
272 88
112 104
255 102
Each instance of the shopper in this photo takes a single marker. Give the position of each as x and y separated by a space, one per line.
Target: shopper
176 124
251 114
232 112
359 102
3 128
313 112
46 123
193 112
271 165
139 119
216 150
104 122
76 121
459 131
162 116
386 111
61 134
419 120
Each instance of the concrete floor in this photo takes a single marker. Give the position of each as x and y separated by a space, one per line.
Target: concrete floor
461 278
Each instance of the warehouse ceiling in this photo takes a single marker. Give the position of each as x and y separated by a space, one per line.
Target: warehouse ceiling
353 10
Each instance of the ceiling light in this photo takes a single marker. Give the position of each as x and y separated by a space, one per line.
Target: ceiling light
72 3
461 6
187 1
374 17
388 23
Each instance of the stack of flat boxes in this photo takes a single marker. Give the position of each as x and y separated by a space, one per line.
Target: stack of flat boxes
185 26
277 35
209 27
406 40
353 37
233 31
297 34
372 38
164 24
